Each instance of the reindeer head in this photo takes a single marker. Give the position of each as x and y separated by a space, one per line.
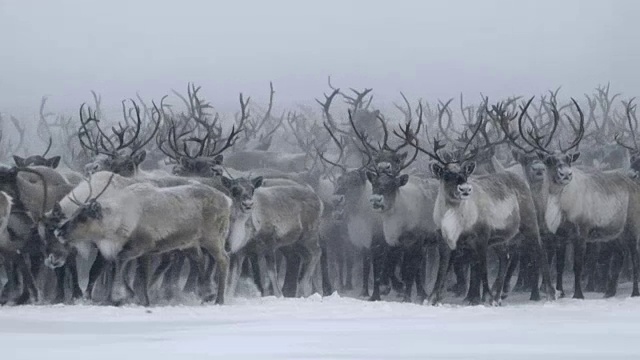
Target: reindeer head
56 252
384 188
38 160
348 185
241 191
557 162
116 152
86 220
455 179
534 168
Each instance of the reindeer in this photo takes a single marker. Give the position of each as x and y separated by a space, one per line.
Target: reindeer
478 212
592 206
133 222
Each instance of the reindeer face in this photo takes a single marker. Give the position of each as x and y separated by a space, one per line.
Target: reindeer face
390 162
559 166
385 188
241 191
56 252
126 165
84 221
534 168
455 179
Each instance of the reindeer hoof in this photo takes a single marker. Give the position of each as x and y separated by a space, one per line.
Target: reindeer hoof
635 293
578 296
375 297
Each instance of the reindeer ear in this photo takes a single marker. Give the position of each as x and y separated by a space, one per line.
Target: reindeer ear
437 170
542 156
371 176
227 182
139 157
53 162
403 156
257 182
402 180
469 167
18 161
571 158
217 160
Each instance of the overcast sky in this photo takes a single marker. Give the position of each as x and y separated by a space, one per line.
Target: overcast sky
430 49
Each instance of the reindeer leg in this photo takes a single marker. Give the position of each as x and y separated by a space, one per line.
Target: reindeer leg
617 259
421 276
394 257
272 271
411 267
378 252
514 259
592 251
222 272
349 259
60 273
96 270
237 261
635 263
292 271
29 284
72 267
484 274
473 294
311 257
578 262
366 270
141 281
327 289
171 281
460 262
503 256
192 275
603 262
161 269
443 267
561 253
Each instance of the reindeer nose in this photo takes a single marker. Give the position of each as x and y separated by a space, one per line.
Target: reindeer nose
377 201
247 204
384 167
565 173
464 189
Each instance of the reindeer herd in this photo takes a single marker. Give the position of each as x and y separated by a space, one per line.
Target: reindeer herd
177 199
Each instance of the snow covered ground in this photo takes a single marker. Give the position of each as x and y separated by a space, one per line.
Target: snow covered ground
329 328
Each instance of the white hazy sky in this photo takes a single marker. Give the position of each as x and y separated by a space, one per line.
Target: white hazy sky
65 48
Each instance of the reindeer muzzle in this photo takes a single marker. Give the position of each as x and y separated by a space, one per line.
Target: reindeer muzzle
564 176
247 205
377 201
464 191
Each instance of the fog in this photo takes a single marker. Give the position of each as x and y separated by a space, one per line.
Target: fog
431 49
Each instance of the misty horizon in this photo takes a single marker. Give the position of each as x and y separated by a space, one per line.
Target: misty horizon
427 50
